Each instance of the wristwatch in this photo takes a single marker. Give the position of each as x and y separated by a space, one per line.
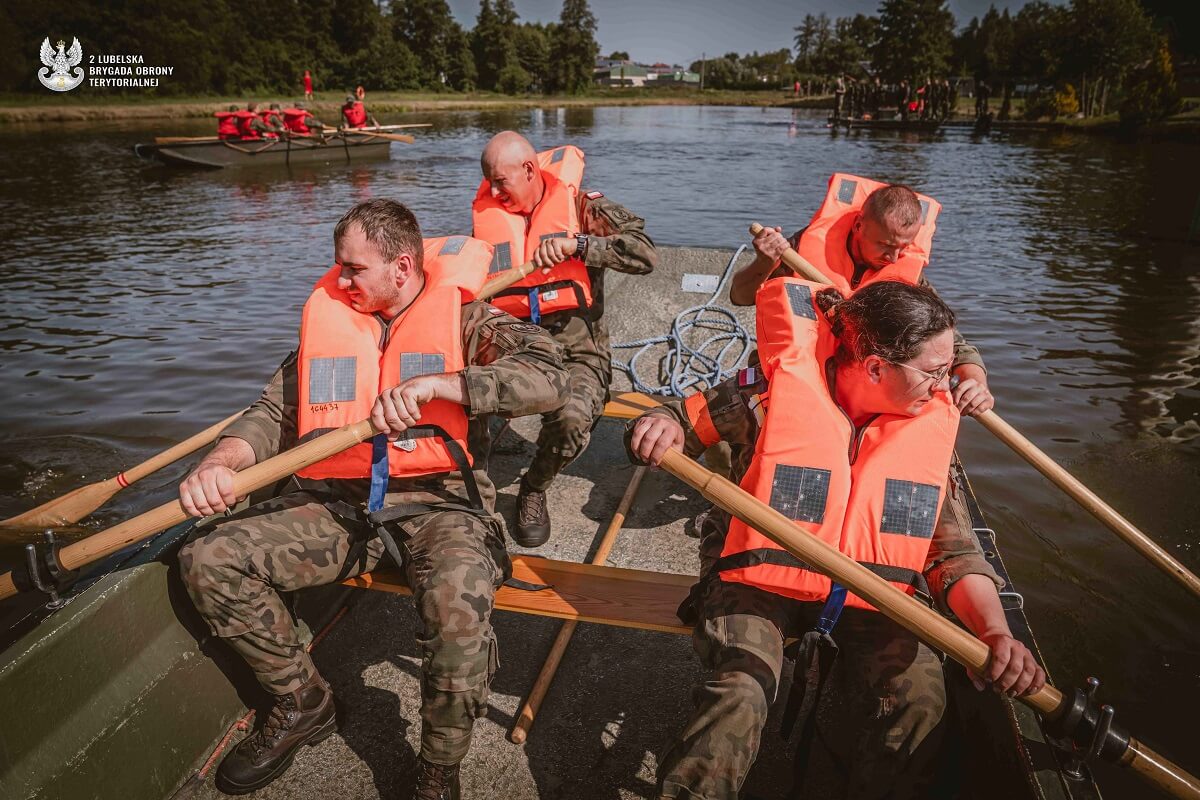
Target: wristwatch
581 245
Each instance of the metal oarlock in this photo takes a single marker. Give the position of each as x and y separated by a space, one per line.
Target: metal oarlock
1085 731
45 571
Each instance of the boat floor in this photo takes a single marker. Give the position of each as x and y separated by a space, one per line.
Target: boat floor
619 694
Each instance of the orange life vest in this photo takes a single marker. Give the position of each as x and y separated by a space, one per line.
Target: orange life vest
873 493
295 120
823 242
342 370
227 124
244 118
355 114
516 237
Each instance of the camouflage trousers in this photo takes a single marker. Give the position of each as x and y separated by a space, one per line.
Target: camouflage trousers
565 432
874 724
235 569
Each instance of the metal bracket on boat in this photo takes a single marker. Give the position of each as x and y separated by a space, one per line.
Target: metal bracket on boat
45 572
1086 731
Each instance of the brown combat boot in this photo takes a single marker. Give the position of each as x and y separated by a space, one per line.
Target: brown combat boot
305 716
533 518
436 782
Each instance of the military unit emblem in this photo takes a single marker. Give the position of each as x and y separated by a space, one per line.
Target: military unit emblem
62 72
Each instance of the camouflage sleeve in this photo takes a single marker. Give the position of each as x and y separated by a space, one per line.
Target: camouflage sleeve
724 413
270 422
617 237
964 351
954 551
513 368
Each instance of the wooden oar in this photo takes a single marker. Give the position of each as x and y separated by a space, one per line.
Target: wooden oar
393 137
76 505
925 623
1047 466
248 480
497 285
542 685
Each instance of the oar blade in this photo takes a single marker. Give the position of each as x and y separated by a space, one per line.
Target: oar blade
70 508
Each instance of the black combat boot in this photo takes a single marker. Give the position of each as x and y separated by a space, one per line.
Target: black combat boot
533 517
306 716
436 782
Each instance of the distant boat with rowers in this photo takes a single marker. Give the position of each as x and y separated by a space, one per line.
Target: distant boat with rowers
340 146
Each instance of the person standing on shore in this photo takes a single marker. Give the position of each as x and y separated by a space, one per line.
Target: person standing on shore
308 93
532 208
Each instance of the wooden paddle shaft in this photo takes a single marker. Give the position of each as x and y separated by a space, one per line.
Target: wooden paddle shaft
248 480
925 623
796 261
529 710
498 285
77 504
1089 500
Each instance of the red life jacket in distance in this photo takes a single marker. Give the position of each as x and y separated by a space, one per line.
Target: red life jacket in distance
874 494
355 114
244 118
271 119
823 242
227 125
516 237
294 119
342 369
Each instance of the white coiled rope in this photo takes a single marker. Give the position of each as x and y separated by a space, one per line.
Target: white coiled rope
692 364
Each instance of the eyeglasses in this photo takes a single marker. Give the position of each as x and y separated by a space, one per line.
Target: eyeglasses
936 377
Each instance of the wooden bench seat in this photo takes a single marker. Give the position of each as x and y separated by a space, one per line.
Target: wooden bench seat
630 405
630 598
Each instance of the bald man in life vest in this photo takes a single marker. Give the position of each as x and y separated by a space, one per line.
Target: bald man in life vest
883 232
391 332
531 208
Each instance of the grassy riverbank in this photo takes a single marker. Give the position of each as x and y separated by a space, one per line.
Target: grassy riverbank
94 106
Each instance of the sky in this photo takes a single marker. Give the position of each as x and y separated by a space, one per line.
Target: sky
680 31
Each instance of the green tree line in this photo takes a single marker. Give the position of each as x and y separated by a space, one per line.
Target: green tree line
1093 56
227 48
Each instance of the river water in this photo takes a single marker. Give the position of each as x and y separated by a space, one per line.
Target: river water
142 304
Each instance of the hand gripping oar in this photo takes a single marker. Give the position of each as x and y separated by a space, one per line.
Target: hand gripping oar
76 505
542 685
1073 717
248 480
1047 466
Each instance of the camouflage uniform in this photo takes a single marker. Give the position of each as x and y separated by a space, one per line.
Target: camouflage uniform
618 241
454 558
872 725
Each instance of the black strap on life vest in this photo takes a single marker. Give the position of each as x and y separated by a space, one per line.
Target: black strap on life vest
782 558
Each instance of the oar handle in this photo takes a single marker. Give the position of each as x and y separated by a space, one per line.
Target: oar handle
925 623
507 279
1089 500
796 261
248 480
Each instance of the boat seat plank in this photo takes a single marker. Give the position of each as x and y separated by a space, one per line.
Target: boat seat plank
630 598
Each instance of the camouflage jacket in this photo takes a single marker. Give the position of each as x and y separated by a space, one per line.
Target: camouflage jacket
513 369
954 550
964 351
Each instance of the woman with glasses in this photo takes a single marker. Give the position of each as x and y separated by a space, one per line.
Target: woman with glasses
848 429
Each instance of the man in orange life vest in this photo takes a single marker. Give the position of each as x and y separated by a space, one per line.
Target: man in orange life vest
531 207
391 332
356 115
299 119
865 468
251 124
865 232
227 123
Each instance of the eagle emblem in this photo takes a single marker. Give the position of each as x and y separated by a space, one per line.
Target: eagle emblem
62 73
